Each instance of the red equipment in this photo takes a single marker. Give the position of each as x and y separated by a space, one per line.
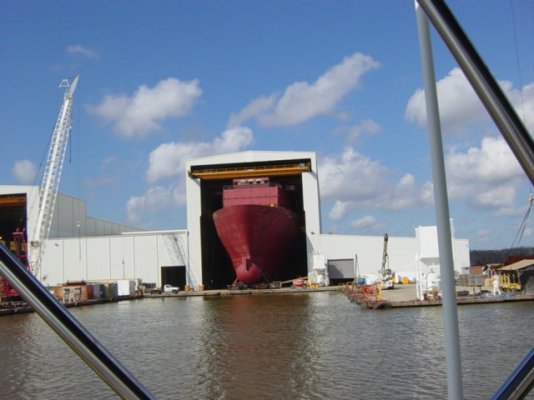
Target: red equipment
19 239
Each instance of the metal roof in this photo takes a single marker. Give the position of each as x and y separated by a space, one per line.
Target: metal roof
250 156
518 265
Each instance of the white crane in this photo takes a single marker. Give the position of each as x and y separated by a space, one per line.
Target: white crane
51 176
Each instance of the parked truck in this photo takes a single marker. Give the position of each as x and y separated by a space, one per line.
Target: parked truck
170 289
151 288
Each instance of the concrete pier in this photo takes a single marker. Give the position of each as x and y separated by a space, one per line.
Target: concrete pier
405 296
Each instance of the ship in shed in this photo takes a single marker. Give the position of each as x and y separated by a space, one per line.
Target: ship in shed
257 228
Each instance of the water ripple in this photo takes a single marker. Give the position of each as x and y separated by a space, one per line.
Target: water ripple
306 346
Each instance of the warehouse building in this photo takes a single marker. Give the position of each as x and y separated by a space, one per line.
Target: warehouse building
84 248
81 247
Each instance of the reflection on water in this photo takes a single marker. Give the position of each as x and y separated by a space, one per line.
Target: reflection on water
307 346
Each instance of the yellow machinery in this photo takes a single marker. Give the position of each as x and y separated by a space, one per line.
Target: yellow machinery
509 281
251 172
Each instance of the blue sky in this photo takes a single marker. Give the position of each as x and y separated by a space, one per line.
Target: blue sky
165 81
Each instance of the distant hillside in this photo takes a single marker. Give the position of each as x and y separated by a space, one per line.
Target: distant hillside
483 257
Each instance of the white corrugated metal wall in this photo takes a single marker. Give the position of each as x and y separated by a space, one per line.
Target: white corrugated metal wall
402 252
131 256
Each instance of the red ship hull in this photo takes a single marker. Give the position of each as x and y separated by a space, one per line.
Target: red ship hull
258 239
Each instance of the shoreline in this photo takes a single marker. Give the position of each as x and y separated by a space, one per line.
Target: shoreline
21 307
404 296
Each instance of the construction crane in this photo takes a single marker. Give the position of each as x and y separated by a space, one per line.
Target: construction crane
51 176
385 272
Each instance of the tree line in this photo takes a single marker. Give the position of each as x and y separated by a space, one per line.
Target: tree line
483 257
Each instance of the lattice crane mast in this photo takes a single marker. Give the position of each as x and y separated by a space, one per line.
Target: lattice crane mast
51 176
384 255
386 273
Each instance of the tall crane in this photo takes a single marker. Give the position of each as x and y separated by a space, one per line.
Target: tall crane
52 175
385 272
384 255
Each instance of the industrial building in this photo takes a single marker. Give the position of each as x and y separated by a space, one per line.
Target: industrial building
80 247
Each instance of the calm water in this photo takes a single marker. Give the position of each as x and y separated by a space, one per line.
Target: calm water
306 346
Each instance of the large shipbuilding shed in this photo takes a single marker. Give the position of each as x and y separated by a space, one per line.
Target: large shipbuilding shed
206 177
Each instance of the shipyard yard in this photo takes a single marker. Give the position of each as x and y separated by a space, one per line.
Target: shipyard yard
406 296
307 345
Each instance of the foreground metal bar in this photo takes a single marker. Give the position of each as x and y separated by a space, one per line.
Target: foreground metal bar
70 330
483 82
446 261
520 381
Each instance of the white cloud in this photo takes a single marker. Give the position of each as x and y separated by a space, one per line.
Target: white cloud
168 159
366 126
178 194
255 108
367 222
351 176
427 193
404 193
459 105
155 199
486 176
24 171
355 178
339 210
528 233
523 102
83 51
302 101
142 113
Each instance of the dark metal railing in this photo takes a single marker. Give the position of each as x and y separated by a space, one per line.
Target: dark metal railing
520 381
94 354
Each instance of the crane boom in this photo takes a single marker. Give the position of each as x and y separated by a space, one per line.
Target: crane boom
384 255
51 176
386 275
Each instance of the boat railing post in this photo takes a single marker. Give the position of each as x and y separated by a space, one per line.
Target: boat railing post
450 314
